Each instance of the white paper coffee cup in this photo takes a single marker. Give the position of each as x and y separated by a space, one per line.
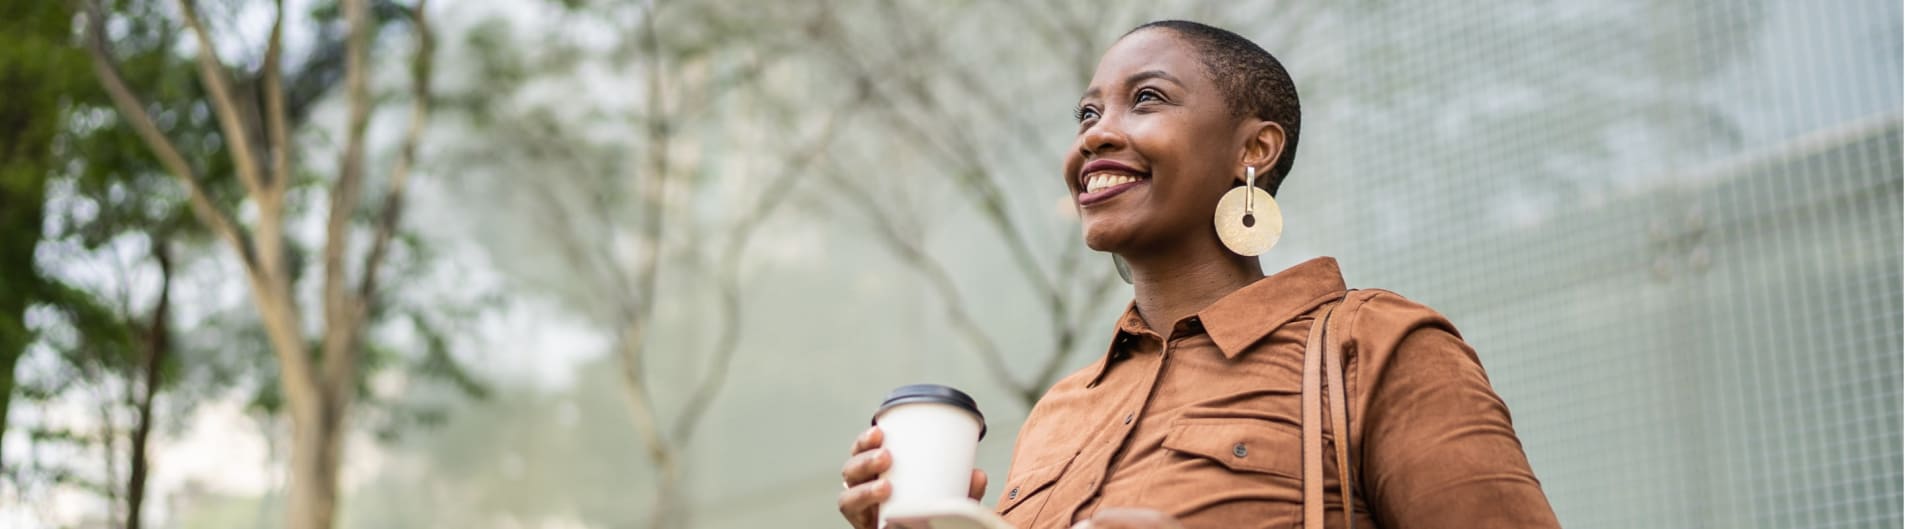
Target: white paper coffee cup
933 434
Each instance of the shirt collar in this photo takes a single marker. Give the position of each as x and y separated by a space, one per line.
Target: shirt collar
1237 320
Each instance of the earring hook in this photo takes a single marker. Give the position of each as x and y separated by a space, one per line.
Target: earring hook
1250 180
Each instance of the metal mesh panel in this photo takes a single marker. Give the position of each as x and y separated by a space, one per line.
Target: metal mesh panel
1672 232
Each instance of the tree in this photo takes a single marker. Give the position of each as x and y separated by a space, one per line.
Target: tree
619 215
122 358
319 389
116 354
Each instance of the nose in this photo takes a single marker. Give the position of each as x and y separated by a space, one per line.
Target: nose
1102 137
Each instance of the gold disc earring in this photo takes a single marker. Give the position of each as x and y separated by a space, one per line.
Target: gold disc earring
1248 219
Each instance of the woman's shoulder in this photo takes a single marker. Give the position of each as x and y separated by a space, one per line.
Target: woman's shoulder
1379 320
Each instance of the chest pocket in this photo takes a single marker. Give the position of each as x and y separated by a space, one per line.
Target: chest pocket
1239 444
1027 491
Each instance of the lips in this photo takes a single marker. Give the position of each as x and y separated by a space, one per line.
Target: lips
1102 179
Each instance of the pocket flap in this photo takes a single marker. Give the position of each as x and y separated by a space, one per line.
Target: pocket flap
1028 484
1240 444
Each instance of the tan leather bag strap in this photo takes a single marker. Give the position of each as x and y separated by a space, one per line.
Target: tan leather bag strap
1339 425
1321 361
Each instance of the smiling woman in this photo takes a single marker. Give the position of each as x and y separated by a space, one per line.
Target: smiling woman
1207 408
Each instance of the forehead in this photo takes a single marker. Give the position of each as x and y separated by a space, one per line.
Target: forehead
1147 50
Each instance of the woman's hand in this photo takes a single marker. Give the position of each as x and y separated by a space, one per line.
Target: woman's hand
860 502
1129 519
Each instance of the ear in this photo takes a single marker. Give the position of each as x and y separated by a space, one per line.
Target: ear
1262 145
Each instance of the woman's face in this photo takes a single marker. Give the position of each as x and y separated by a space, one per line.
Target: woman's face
1157 146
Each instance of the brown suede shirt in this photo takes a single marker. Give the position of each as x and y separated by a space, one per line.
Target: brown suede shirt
1203 423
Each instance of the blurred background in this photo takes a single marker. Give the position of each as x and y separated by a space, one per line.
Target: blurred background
578 264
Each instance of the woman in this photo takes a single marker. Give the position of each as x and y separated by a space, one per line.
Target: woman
1195 416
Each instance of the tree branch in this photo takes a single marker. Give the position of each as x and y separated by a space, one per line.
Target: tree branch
651 198
972 176
133 110
1101 286
406 155
341 310
771 198
597 258
271 201
653 195
936 275
272 291
275 305
631 342
212 70
158 342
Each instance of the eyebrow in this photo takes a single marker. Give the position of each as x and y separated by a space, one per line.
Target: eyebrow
1137 78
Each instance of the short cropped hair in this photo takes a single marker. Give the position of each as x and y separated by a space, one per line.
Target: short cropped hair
1252 80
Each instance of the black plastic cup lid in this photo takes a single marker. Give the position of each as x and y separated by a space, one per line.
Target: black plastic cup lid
933 393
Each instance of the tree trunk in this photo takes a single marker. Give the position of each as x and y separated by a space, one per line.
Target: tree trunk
314 465
669 509
158 345
317 398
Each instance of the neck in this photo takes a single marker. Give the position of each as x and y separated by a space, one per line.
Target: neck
1170 287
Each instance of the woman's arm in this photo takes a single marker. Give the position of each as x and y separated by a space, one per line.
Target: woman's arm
1438 446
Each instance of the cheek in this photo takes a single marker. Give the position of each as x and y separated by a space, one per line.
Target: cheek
1168 142
1068 168
1178 168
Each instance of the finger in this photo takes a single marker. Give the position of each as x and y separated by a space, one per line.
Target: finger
866 466
865 496
857 516
978 488
864 500
868 440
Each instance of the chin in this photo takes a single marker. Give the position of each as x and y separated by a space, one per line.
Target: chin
1106 236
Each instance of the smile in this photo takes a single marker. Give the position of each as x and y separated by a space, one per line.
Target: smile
1102 186
1101 180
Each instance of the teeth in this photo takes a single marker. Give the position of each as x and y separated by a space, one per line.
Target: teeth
1100 181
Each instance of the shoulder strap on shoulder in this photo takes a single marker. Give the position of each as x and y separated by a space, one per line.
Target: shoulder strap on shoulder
1323 360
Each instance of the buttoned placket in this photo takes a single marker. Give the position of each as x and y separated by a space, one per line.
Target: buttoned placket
1101 454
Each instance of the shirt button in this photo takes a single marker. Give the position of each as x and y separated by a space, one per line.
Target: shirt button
1013 495
1240 450
1128 417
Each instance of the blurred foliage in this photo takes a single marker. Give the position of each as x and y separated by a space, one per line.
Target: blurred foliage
86 190
38 71
106 201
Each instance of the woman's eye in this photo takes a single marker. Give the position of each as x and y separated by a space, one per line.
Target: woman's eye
1084 113
1148 94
